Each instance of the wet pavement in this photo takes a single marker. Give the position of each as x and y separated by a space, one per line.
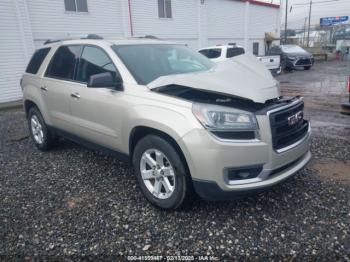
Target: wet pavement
324 89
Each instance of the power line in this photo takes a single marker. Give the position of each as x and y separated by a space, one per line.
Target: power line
315 3
312 10
320 5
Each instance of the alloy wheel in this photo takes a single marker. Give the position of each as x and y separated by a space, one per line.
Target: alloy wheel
157 173
37 129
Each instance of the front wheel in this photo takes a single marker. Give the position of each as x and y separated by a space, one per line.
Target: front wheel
285 67
161 172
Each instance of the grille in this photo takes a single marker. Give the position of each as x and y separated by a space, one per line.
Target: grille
283 132
304 61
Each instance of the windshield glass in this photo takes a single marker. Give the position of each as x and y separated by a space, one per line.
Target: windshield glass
292 49
149 61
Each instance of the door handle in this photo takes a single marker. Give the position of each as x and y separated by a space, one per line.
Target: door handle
44 88
75 95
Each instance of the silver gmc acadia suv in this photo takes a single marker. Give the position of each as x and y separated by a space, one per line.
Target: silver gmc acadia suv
186 124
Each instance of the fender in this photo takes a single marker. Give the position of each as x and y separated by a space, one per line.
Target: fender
175 123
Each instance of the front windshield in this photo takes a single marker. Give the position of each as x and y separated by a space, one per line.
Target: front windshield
147 62
292 49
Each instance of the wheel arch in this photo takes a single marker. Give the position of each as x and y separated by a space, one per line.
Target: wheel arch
28 104
139 132
38 103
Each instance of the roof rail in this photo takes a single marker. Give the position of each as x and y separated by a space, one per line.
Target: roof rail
89 36
148 37
50 41
92 36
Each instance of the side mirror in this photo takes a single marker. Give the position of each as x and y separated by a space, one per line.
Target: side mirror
105 80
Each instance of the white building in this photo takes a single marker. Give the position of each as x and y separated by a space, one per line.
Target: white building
26 24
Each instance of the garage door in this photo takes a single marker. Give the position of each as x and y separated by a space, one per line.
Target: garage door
13 56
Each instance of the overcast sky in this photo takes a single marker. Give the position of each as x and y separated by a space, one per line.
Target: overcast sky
296 18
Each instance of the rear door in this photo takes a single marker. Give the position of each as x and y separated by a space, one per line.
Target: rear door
58 83
97 112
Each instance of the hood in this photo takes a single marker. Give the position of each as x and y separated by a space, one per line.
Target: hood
301 53
242 76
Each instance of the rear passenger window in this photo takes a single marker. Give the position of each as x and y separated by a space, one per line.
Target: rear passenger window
37 59
214 53
234 51
94 61
64 62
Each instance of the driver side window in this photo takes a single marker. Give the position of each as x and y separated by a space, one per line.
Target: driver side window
94 61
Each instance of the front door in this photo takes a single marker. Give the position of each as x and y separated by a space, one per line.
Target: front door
96 111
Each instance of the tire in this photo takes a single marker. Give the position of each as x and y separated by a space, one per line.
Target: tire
288 70
307 67
180 182
279 70
285 67
42 137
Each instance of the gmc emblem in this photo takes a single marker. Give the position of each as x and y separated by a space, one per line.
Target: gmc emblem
294 119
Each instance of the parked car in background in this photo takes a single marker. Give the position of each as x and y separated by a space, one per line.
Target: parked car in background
221 53
292 56
183 121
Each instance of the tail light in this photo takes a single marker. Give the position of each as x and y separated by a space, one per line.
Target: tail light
349 84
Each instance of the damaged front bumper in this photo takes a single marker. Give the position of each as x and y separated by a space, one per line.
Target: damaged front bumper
221 169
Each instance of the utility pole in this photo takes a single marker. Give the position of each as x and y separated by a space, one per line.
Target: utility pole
304 31
308 30
285 23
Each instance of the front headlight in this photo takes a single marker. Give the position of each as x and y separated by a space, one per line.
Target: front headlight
292 57
225 122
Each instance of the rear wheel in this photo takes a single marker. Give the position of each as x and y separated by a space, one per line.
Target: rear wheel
307 67
43 138
161 172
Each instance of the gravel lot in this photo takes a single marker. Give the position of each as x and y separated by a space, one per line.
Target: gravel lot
72 201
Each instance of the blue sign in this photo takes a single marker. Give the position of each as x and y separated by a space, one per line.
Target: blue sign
328 21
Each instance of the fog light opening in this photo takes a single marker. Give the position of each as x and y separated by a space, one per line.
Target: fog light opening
243 173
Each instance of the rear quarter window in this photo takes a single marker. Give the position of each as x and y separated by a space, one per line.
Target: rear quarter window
36 60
